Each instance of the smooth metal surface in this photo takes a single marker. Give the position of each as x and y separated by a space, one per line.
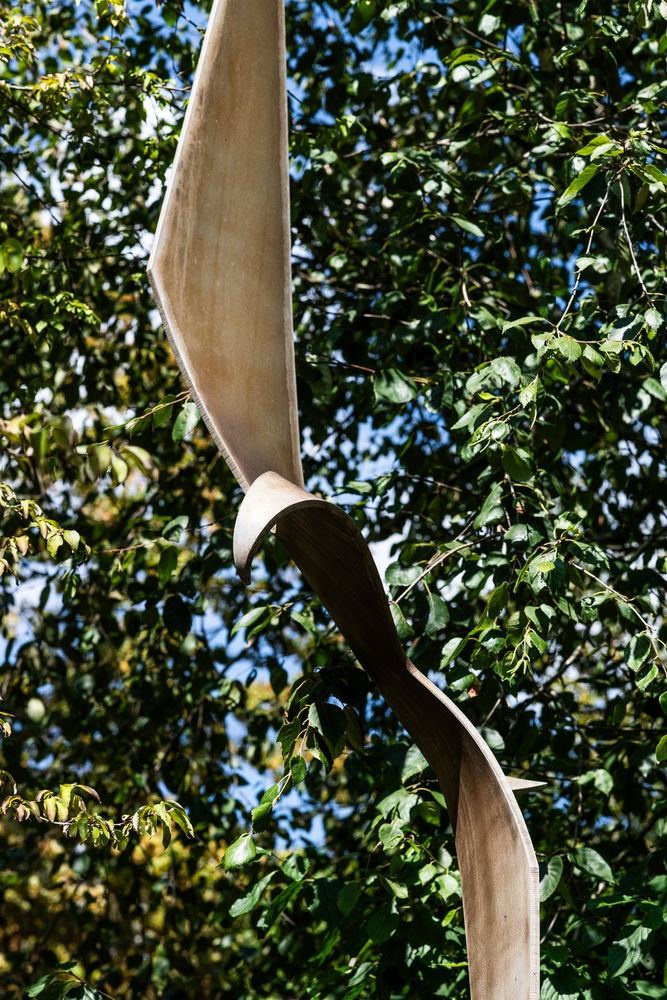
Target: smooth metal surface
220 265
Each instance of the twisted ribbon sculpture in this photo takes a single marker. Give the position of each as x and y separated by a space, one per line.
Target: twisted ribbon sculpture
221 272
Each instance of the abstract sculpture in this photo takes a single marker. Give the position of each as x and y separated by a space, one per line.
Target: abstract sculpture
221 272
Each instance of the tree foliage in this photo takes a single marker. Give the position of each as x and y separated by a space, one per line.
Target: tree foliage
479 231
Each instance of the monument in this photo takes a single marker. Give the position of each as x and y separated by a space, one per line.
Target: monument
221 272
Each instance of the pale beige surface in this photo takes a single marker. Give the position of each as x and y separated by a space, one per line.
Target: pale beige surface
499 872
220 269
220 265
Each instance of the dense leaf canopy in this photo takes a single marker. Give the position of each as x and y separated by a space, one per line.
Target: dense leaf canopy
479 230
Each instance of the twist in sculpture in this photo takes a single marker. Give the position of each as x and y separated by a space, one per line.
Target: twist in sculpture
221 273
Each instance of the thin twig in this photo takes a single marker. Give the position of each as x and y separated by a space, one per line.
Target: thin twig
432 564
624 599
630 246
548 930
588 250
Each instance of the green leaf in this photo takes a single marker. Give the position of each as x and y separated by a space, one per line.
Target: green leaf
175 528
384 923
569 348
360 972
599 140
450 650
119 469
37 988
13 254
296 867
628 949
398 575
592 863
347 898
492 738
663 376
177 615
642 988
390 835
392 386
53 544
562 984
415 762
529 394
551 878
271 794
518 464
403 628
577 185
438 615
655 173
448 885
141 459
357 486
492 512
506 369
470 227
163 411
431 812
279 905
354 733
185 422
251 618
653 318
167 564
488 23
497 601
240 852
306 622
472 417
248 902
523 321
297 766
72 538
637 650
261 817
329 720
661 749
590 354
603 781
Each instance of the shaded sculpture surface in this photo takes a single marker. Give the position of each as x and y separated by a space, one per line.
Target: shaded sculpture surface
220 269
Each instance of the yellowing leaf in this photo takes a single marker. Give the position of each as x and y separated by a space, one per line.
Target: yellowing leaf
72 538
141 459
53 544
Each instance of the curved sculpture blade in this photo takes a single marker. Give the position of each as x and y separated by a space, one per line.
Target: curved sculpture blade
220 270
221 260
499 871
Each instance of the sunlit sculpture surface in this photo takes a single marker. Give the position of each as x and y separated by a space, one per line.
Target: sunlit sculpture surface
220 270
